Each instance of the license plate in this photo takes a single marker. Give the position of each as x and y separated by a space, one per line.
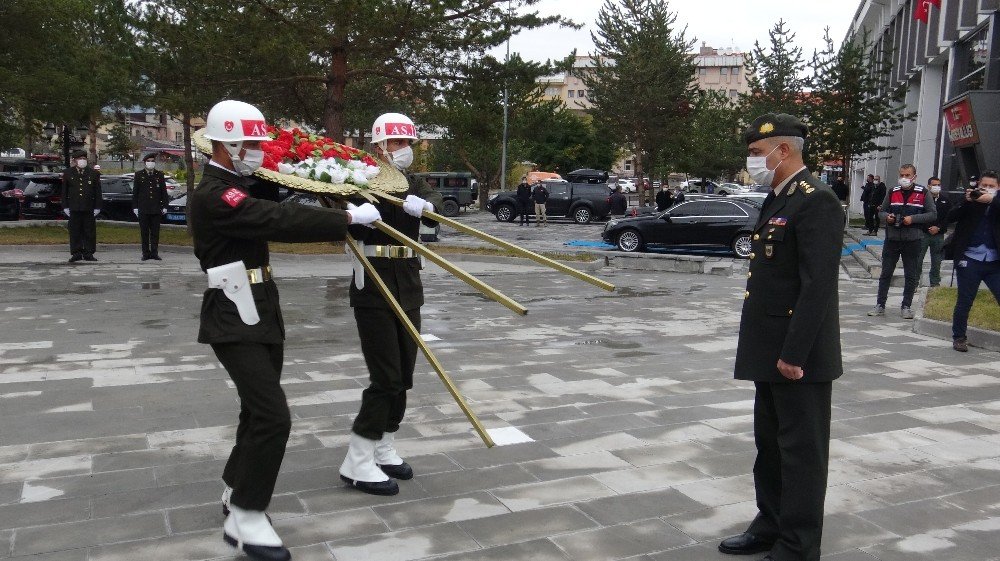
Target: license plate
175 216
37 205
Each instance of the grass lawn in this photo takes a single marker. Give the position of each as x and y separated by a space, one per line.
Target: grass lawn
985 311
115 234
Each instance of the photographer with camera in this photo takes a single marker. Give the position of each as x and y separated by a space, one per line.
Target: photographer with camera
906 208
976 243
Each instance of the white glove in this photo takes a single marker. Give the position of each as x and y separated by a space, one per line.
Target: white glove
359 269
66 212
96 212
364 214
415 206
163 211
135 211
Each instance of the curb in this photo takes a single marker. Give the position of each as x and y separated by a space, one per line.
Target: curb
980 338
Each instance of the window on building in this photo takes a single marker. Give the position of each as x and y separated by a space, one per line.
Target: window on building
702 71
572 93
581 93
724 70
972 58
733 94
735 71
178 137
628 165
552 91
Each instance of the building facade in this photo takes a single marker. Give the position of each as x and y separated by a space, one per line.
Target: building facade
949 68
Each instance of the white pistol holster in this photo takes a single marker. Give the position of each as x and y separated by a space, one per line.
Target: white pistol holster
232 280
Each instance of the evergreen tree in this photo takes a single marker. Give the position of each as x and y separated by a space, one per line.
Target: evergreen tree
776 77
641 84
714 145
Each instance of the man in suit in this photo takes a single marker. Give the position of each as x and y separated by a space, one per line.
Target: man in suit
149 203
789 343
871 215
524 201
81 200
878 194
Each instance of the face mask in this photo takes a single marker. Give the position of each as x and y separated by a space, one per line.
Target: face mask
935 189
757 168
151 165
905 182
81 163
991 190
251 162
402 158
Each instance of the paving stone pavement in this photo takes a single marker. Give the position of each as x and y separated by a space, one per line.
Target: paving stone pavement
114 422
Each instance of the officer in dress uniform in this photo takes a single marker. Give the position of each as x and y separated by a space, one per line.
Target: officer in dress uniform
81 201
789 343
149 203
372 464
240 314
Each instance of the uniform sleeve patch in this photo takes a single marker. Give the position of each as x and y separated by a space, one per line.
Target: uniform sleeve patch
233 196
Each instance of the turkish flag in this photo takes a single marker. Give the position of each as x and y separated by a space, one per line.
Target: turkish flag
922 10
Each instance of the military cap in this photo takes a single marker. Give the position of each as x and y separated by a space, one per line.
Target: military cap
775 124
150 156
78 154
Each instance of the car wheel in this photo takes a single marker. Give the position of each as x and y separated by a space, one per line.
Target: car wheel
723 193
582 215
630 241
449 208
742 245
505 213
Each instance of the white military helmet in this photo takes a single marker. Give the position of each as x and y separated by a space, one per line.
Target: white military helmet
393 125
235 121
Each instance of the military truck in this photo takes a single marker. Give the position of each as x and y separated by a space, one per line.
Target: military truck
458 189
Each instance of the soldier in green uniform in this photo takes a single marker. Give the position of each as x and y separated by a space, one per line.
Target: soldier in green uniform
372 463
240 315
789 343
149 203
81 201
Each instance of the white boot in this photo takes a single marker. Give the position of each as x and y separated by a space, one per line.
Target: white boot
250 531
359 469
388 459
227 495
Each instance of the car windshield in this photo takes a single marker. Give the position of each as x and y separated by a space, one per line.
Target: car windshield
41 186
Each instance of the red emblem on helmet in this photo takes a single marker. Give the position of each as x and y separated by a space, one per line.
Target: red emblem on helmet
229 126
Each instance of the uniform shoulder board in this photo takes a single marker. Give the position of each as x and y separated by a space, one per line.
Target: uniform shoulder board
791 189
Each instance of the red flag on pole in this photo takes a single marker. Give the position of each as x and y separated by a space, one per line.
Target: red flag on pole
922 10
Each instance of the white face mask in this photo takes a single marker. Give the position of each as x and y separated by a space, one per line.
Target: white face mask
402 158
990 190
81 163
150 165
905 182
935 189
251 162
758 170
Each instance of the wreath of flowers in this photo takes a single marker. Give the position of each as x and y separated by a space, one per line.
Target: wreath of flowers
311 156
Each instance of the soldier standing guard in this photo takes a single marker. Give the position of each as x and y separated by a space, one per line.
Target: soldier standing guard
390 354
789 343
240 313
81 201
149 203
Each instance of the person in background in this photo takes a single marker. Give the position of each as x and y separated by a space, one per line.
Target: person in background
977 251
840 189
81 201
524 201
871 214
149 203
933 237
540 195
878 195
619 204
664 199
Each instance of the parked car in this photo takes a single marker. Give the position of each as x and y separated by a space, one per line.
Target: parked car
176 211
627 185
10 196
29 165
457 188
699 186
731 189
587 175
752 196
42 195
700 222
175 188
116 199
580 201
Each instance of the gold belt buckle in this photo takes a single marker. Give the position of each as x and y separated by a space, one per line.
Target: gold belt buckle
392 251
259 275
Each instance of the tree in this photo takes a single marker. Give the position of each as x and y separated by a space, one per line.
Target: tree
121 145
641 83
713 146
567 141
851 108
776 77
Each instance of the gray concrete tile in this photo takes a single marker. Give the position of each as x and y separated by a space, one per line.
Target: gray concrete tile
547 493
319 528
526 525
405 545
650 477
473 480
73 535
67 555
44 512
619 542
335 497
537 550
157 498
715 523
663 453
918 517
88 485
501 455
698 552
619 509
454 508
193 547
570 466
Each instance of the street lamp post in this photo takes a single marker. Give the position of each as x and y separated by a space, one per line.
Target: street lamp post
506 108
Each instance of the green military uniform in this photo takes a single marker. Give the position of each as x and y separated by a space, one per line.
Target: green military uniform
790 312
230 225
149 197
389 352
81 196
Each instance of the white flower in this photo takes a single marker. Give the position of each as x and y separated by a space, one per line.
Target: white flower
356 164
339 175
358 178
371 171
287 169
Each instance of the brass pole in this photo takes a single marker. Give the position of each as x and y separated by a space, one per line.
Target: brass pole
508 246
415 335
479 285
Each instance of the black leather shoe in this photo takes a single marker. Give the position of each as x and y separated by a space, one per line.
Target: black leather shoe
157 257
389 487
89 258
402 471
259 552
745 544
146 258
75 258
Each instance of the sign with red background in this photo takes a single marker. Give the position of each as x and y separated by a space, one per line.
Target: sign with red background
961 123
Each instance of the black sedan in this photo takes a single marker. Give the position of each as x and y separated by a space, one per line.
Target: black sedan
41 195
10 197
703 222
176 211
116 199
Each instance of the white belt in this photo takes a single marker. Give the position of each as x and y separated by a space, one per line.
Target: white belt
389 251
